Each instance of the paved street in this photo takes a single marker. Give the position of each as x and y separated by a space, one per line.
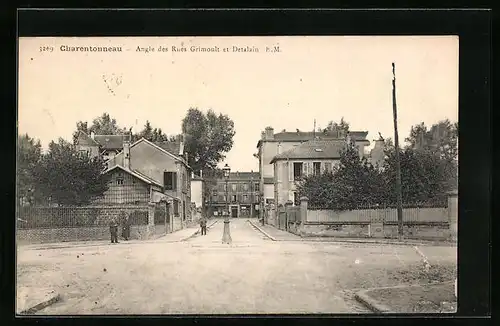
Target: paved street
204 276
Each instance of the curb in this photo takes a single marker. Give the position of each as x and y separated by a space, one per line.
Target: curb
389 242
371 303
198 232
41 305
262 231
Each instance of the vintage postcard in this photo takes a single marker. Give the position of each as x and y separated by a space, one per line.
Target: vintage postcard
237 175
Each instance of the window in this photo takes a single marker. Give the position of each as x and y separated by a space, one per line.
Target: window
257 187
233 187
245 198
233 198
297 171
257 198
317 168
176 208
215 197
245 187
296 200
328 167
170 180
119 178
184 210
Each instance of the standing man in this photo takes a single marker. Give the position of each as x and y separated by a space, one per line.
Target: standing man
113 229
203 225
126 227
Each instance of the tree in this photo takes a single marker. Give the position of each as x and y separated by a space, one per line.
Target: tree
67 177
28 155
102 125
154 135
341 126
424 176
207 138
441 138
353 183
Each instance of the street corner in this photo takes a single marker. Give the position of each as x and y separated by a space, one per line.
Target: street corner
31 300
425 298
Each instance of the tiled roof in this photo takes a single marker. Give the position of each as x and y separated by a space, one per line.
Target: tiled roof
314 149
110 141
171 147
309 135
86 140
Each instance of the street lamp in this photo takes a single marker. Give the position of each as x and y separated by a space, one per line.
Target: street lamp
226 236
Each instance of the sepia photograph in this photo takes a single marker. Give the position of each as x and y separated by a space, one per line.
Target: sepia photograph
237 175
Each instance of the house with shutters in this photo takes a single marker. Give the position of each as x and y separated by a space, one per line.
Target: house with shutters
271 144
105 146
311 157
152 172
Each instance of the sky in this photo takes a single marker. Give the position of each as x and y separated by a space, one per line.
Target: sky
320 78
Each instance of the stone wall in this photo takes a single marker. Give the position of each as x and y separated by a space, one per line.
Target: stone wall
50 235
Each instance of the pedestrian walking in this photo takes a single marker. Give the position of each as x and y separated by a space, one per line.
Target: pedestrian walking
203 225
125 226
113 229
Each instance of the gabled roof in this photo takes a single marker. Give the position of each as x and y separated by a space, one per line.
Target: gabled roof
313 149
85 139
110 141
134 173
174 156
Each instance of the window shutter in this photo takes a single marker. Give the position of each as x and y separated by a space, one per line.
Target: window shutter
290 171
304 169
174 181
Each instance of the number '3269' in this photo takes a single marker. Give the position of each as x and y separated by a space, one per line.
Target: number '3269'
46 48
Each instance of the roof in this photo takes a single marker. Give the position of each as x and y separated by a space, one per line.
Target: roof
155 145
134 173
110 141
85 139
169 146
244 175
313 149
309 135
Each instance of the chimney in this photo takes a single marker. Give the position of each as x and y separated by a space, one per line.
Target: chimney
92 135
279 148
201 173
192 175
263 135
269 133
180 139
126 154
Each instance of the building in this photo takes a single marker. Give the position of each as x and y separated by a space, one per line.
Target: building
377 155
106 146
242 195
311 157
156 172
197 191
272 144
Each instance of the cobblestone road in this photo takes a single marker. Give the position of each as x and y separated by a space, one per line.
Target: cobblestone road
203 276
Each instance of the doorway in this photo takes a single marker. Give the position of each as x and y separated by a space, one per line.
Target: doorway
234 211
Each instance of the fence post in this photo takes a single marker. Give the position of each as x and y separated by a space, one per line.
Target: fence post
303 212
288 204
453 214
151 220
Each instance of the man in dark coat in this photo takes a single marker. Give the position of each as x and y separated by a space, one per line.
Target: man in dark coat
126 227
203 225
113 229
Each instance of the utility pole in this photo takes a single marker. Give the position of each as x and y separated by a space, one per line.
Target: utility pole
398 164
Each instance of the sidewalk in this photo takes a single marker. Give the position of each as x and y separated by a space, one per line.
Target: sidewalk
273 233
176 236
280 235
